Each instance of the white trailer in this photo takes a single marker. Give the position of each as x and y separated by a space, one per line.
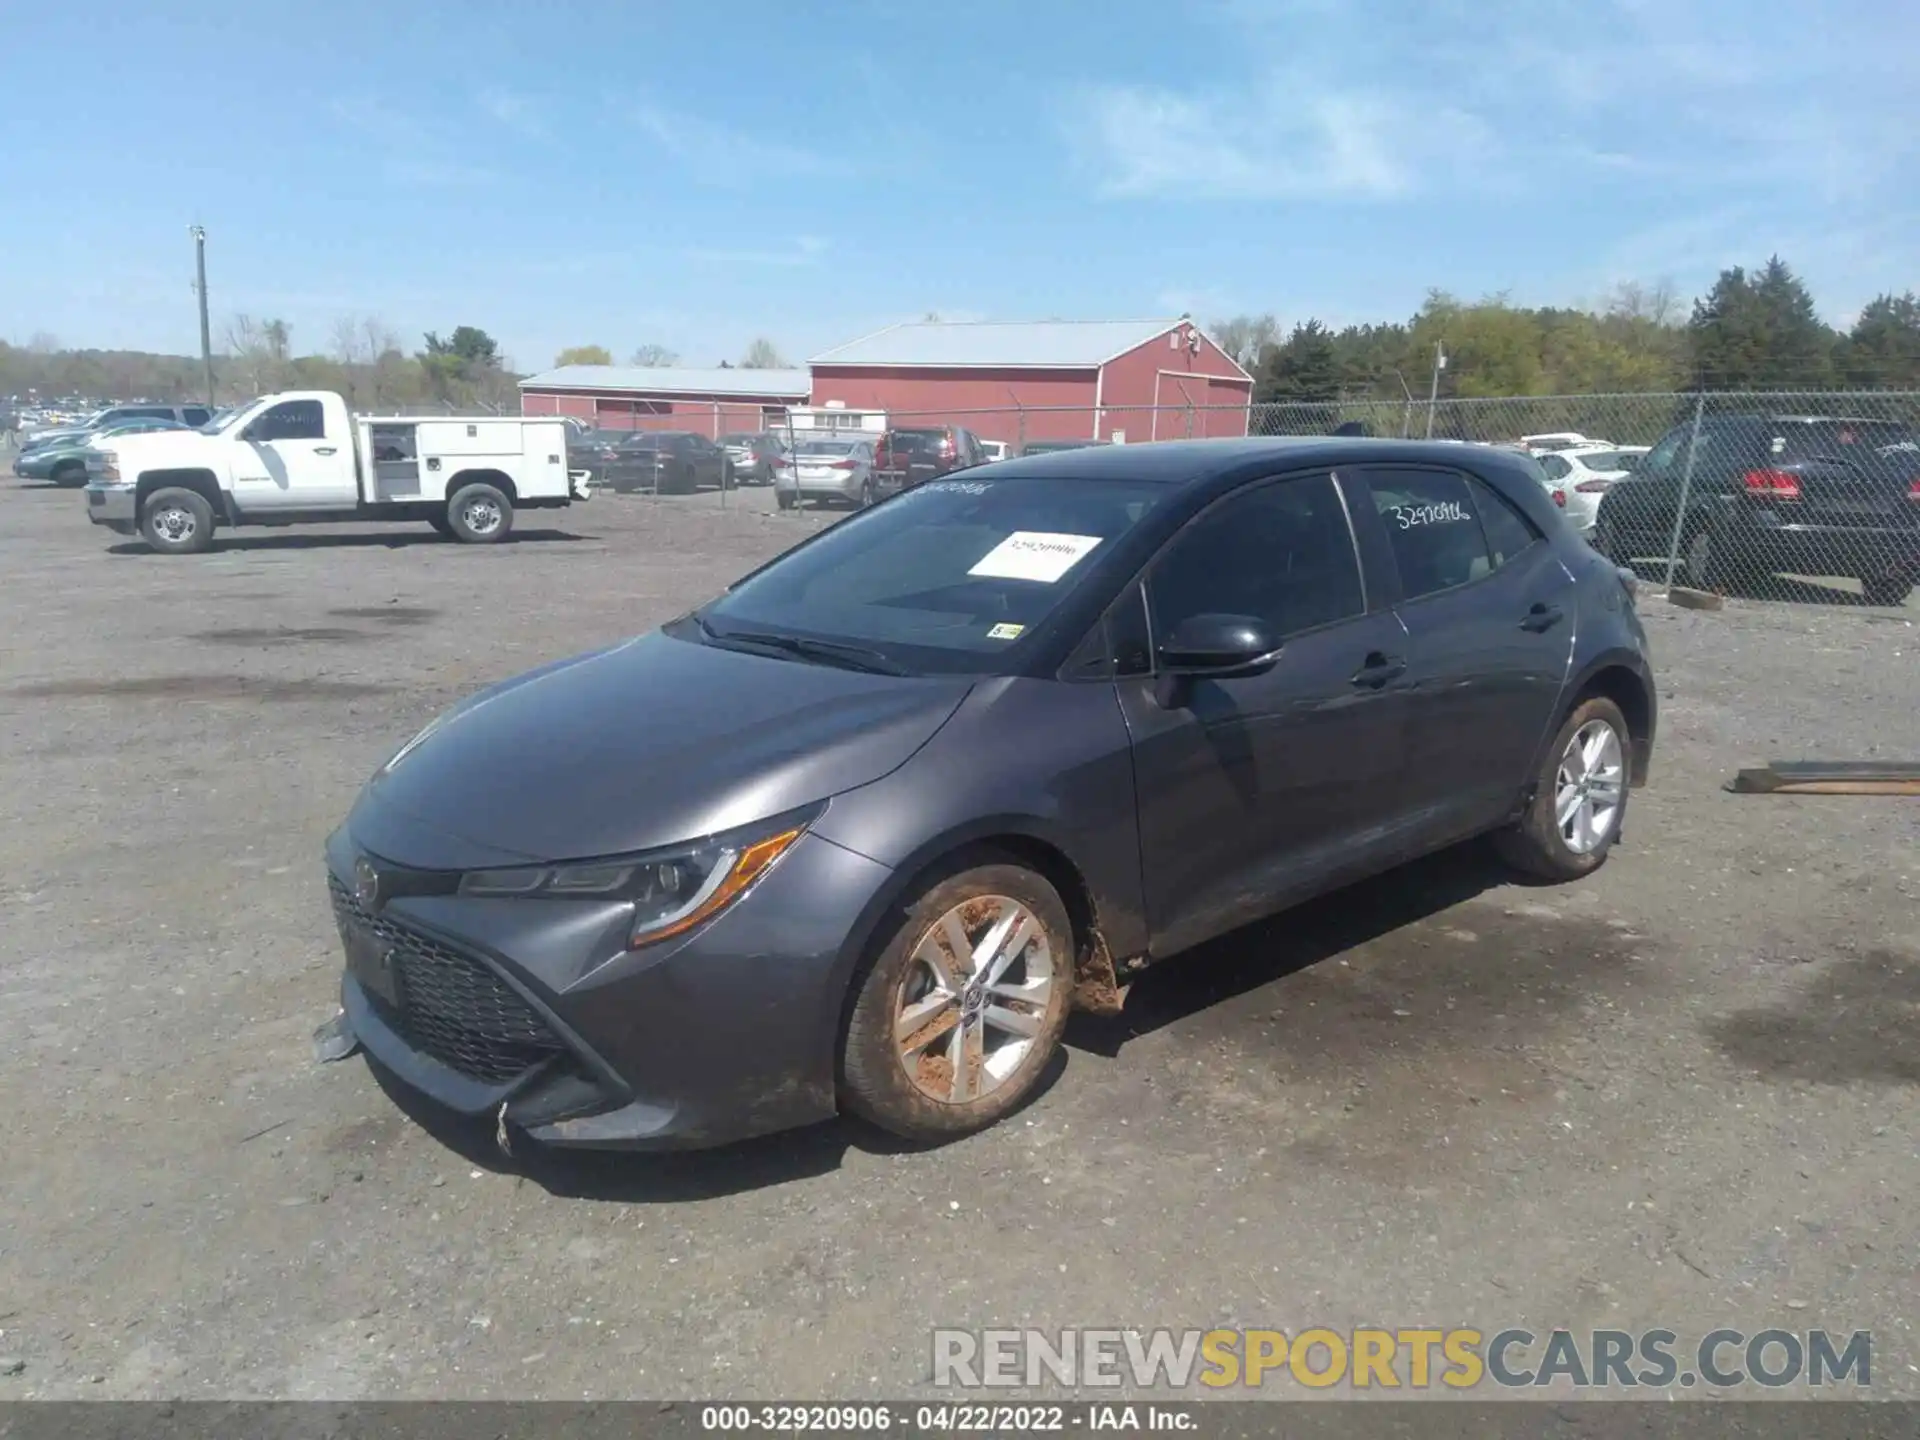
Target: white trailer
301 457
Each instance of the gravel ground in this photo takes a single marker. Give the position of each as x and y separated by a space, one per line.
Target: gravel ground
1679 1094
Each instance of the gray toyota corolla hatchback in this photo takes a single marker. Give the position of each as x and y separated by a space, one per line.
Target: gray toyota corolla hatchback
858 833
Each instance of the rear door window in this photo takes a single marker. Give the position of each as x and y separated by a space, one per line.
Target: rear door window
1433 527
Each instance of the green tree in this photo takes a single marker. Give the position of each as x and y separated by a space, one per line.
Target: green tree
1759 332
464 368
1306 367
584 355
1883 348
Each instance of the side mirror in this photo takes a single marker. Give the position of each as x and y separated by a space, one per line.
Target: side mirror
1219 647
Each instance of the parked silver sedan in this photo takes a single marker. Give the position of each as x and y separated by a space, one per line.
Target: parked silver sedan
840 471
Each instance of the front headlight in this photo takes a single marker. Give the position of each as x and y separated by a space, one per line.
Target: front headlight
671 890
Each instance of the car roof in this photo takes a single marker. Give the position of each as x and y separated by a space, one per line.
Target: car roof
1196 462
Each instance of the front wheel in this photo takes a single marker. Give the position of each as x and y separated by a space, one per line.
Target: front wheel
955 1021
1580 797
479 514
177 522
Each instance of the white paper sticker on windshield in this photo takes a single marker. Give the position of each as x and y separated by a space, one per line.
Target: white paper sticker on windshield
1034 555
1005 632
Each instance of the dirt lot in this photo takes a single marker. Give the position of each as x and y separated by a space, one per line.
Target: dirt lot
1681 1094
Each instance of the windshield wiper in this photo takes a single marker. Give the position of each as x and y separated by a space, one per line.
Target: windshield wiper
828 652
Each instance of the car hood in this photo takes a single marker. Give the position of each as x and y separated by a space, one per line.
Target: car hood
648 743
159 447
38 438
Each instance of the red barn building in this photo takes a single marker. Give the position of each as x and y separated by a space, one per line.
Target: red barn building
622 397
1131 380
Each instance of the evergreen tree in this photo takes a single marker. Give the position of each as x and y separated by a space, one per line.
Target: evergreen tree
1883 348
1759 332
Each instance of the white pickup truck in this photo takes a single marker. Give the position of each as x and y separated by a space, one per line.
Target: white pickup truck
301 456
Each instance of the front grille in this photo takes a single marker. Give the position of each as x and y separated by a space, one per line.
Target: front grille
452 1006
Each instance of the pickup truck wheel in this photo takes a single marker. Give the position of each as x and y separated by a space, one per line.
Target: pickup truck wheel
478 514
955 1022
177 522
1580 797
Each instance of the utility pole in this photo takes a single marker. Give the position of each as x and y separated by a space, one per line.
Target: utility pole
199 233
1433 393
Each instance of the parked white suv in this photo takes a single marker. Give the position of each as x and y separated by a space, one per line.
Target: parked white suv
1577 478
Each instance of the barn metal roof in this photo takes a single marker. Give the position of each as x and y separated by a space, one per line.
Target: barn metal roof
671 380
994 344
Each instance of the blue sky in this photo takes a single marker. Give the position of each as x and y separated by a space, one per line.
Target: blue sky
696 175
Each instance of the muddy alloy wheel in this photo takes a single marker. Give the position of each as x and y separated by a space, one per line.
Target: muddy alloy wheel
1579 800
177 522
963 1007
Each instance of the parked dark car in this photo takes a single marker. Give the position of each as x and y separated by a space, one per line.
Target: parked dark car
1802 494
754 457
64 461
913 455
592 450
1050 447
670 462
860 831
191 416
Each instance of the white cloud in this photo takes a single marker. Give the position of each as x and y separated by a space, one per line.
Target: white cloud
719 155
514 111
1281 141
803 251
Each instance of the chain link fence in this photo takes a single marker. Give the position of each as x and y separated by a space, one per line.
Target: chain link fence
1811 496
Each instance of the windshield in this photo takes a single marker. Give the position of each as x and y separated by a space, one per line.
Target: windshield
225 420
945 577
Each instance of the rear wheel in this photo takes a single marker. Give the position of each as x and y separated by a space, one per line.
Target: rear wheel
1606 539
1706 569
479 514
959 1014
866 494
784 499
1580 797
1887 589
177 522
70 475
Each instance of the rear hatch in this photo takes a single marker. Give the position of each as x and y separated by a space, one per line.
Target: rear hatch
920 454
1841 473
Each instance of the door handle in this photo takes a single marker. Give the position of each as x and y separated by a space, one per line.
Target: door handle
323 450
1542 616
1378 670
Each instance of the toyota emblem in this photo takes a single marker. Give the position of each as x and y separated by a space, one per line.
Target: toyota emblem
366 883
